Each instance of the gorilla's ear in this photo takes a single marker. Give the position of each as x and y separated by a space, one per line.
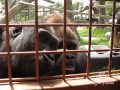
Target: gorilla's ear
48 39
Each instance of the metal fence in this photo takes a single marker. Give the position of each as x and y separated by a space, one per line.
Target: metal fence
8 53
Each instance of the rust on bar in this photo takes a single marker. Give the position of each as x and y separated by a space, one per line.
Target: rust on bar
112 38
82 75
55 24
36 40
53 52
64 43
89 45
64 52
7 43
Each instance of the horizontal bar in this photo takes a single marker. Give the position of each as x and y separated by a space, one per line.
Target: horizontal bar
49 52
58 76
55 24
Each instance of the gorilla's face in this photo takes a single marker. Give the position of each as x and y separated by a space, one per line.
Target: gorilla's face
70 63
71 58
23 39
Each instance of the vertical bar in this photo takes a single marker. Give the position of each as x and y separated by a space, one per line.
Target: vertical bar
112 38
7 43
64 42
89 46
36 40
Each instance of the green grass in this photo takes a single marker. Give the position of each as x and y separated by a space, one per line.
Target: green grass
96 32
95 42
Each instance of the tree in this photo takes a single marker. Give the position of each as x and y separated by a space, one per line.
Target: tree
15 10
12 3
58 5
70 7
102 12
77 6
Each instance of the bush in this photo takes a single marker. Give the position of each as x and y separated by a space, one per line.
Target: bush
97 33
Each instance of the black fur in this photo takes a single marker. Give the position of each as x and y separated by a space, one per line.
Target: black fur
23 39
50 38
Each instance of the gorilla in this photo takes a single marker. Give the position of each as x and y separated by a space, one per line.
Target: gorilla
75 62
50 38
23 39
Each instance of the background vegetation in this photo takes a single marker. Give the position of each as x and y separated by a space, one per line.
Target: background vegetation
98 36
99 32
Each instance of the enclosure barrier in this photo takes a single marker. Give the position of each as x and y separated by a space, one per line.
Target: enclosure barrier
85 83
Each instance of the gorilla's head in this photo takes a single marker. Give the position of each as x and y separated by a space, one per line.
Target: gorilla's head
22 39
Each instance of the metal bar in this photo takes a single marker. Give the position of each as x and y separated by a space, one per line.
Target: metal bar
112 38
36 40
49 52
56 24
58 76
89 46
7 43
64 42
37 52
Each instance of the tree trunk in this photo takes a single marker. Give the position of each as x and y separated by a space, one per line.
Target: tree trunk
69 7
102 12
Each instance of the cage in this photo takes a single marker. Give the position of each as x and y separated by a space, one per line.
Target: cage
84 78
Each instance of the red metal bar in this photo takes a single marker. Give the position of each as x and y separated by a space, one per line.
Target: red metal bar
54 52
56 24
36 40
112 38
7 43
64 42
37 52
82 75
89 46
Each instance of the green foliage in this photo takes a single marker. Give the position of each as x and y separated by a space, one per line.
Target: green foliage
77 5
109 10
58 5
98 33
103 41
83 32
3 1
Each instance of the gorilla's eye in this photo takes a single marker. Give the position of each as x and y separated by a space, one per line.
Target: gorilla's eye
60 46
71 45
17 31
